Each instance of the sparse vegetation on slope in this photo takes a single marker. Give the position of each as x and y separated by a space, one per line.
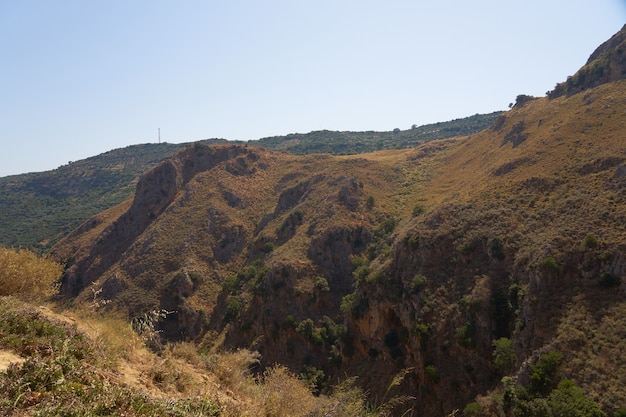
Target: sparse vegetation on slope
38 209
350 143
65 371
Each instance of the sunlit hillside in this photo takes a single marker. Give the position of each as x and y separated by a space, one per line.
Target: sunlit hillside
374 264
477 275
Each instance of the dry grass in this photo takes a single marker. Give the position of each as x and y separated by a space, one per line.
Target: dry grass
25 275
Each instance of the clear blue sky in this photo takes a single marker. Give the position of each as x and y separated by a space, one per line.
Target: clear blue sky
79 77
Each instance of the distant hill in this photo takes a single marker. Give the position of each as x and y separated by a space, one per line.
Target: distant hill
40 208
350 143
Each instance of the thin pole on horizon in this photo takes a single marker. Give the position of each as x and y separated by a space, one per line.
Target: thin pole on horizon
159 136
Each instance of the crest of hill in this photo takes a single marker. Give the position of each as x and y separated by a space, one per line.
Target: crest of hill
41 208
349 143
606 64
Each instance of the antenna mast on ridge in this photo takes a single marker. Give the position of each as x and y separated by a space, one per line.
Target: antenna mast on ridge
159 135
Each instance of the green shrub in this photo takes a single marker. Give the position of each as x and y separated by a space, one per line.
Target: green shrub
355 304
311 333
431 371
360 274
503 355
417 284
321 284
250 272
385 228
268 247
418 210
465 334
233 309
313 377
549 265
412 242
569 400
544 370
331 331
358 261
231 284
472 409
590 242
421 330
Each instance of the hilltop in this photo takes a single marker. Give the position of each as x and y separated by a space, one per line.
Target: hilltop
38 209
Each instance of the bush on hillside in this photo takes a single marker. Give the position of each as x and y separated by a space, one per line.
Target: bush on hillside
25 275
608 280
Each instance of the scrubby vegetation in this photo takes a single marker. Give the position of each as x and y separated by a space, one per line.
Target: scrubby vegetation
64 373
348 143
40 208
25 275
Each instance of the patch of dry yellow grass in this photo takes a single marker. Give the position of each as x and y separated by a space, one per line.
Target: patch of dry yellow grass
25 275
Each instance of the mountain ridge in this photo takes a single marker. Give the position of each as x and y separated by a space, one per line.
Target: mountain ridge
40 208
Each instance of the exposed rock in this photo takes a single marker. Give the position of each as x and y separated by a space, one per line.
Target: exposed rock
510 166
606 64
290 197
154 193
516 135
600 165
349 194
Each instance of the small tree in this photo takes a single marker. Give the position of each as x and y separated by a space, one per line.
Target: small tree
549 265
569 400
233 308
503 355
543 371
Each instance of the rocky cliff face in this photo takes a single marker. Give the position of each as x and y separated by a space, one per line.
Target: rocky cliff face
155 192
606 64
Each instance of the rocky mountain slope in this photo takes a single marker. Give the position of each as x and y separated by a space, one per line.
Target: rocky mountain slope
485 269
40 208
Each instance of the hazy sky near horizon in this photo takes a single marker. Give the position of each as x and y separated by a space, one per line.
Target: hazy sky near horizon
78 78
